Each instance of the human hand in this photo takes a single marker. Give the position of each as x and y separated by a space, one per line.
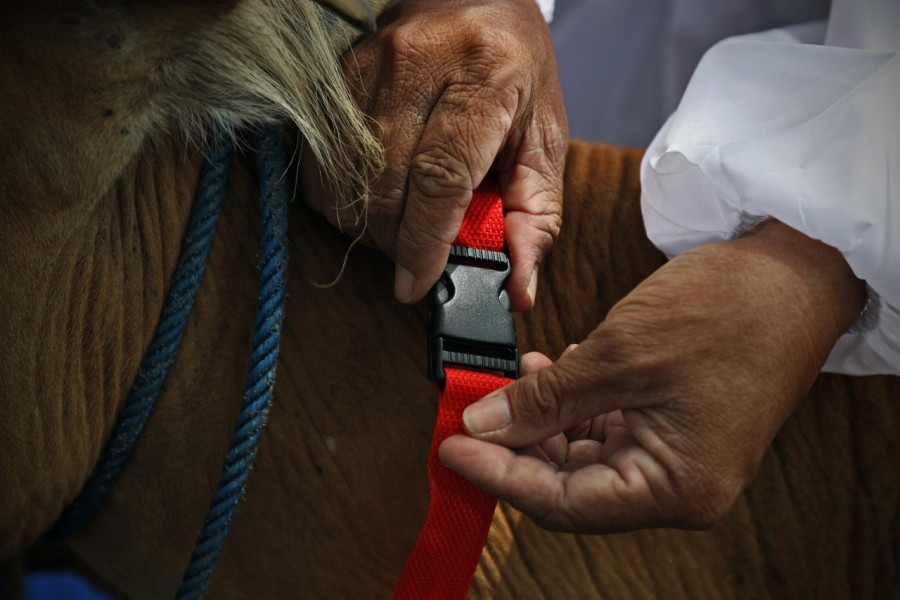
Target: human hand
457 89
662 416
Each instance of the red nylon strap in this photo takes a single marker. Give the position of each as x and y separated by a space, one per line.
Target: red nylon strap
482 227
449 546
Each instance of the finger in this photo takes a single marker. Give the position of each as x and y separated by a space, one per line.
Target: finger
532 362
595 498
418 203
395 92
582 452
501 472
592 429
549 401
464 133
555 449
531 186
538 451
569 349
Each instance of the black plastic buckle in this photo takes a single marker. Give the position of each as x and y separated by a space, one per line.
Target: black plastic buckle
471 324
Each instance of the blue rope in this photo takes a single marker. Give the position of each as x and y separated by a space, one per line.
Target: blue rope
261 379
164 346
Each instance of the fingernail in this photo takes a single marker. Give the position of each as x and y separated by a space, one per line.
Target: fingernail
488 414
569 349
404 284
532 286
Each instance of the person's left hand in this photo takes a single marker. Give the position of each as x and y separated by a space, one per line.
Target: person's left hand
458 88
661 417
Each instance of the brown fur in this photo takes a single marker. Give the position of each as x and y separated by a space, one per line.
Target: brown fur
90 231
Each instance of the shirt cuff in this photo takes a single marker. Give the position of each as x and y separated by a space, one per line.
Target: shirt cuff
806 134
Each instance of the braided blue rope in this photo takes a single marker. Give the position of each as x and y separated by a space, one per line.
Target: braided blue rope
261 379
164 346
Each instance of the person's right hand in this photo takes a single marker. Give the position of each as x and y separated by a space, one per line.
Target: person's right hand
455 89
662 416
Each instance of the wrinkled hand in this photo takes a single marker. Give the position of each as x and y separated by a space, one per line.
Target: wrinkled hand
662 416
457 89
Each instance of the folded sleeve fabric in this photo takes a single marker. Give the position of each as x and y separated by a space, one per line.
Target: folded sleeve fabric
803 125
546 7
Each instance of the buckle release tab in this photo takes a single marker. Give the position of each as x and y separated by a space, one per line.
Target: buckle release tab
471 324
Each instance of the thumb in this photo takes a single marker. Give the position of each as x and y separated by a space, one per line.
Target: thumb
541 404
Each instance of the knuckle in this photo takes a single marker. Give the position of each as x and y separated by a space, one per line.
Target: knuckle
479 52
540 395
490 45
438 174
412 46
550 225
555 137
404 45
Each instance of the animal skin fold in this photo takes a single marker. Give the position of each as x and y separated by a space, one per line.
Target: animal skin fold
802 125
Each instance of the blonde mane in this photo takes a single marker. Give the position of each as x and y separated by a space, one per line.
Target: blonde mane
272 61
88 87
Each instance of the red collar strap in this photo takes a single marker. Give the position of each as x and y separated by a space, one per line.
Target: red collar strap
471 327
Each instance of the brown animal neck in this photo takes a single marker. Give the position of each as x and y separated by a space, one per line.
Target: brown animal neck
90 233
100 273
95 191
341 344
80 99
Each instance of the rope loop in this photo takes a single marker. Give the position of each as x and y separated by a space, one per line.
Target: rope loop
261 378
166 340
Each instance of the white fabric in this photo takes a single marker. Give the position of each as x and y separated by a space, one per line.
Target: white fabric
776 124
624 64
546 7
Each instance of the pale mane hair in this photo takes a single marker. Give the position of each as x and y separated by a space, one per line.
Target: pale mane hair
267 61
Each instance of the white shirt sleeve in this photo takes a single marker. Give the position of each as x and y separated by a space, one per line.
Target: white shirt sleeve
808 133
546 7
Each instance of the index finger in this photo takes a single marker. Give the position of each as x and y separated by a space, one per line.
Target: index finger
530 171
597 498
464 132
